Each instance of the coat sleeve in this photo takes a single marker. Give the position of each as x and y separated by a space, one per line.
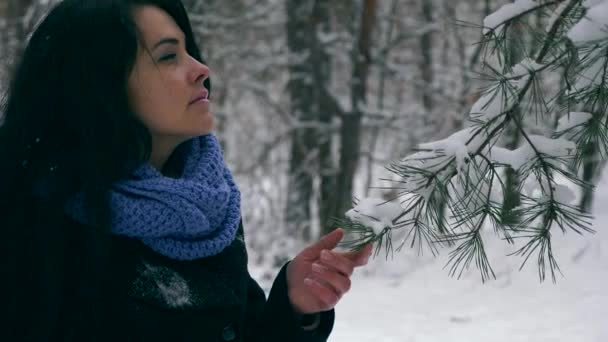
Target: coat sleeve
274 320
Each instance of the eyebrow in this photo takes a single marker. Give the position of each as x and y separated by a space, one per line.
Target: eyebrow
172 41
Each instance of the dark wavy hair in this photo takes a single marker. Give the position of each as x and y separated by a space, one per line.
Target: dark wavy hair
66 127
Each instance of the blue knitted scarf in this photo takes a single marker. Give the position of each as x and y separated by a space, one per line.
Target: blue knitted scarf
194 216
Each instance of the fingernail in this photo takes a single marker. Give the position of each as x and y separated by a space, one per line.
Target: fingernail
317 268
325 255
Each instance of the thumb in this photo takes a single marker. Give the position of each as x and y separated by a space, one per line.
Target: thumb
329 241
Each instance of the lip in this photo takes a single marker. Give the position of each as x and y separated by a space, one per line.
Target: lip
202 95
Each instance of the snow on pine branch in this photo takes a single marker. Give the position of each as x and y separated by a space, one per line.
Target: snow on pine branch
495 21
590 34
572 120
375 213
594 25
501 98
516 159
458 145
557 14
559 149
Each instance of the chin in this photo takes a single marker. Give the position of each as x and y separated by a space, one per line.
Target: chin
205 131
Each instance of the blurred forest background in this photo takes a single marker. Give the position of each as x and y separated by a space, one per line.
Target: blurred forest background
314 97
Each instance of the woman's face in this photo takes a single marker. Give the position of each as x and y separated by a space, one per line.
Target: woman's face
165 87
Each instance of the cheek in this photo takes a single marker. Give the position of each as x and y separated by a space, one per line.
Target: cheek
151 105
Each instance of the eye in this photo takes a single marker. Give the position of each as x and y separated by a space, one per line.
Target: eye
168 57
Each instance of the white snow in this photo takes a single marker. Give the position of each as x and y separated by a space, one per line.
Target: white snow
491 104
593 26
496 20
496 101
553 147
461 153
590 29
375 213
434 156
564 194
455 145
526 66
573 119
591 3
515 158
518 157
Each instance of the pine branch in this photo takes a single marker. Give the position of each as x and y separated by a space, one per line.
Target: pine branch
461 171
509 20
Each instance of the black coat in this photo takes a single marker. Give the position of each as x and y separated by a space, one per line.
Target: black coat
154 298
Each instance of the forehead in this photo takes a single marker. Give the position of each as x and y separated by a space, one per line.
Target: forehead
155 24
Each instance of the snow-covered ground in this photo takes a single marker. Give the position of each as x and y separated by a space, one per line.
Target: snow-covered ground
412 299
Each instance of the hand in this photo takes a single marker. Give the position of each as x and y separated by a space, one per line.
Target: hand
318 277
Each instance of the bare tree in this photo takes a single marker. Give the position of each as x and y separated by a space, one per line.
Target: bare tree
301 35
351 122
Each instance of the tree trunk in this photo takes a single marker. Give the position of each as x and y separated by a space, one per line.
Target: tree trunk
426 61
428 103
384 71
327 109
351 122
303 143
592 167
511 198
593 163
511 192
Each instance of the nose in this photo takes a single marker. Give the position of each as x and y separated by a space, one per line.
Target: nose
200 72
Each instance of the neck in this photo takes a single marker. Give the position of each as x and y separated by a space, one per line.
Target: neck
162 157
159 157
162 149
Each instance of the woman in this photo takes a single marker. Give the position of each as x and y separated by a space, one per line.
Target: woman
120 218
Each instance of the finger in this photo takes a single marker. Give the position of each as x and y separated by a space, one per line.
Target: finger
329 241
338 281
323 293
360 257
337 262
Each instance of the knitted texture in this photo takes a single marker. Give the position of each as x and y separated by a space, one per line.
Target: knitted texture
194 216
